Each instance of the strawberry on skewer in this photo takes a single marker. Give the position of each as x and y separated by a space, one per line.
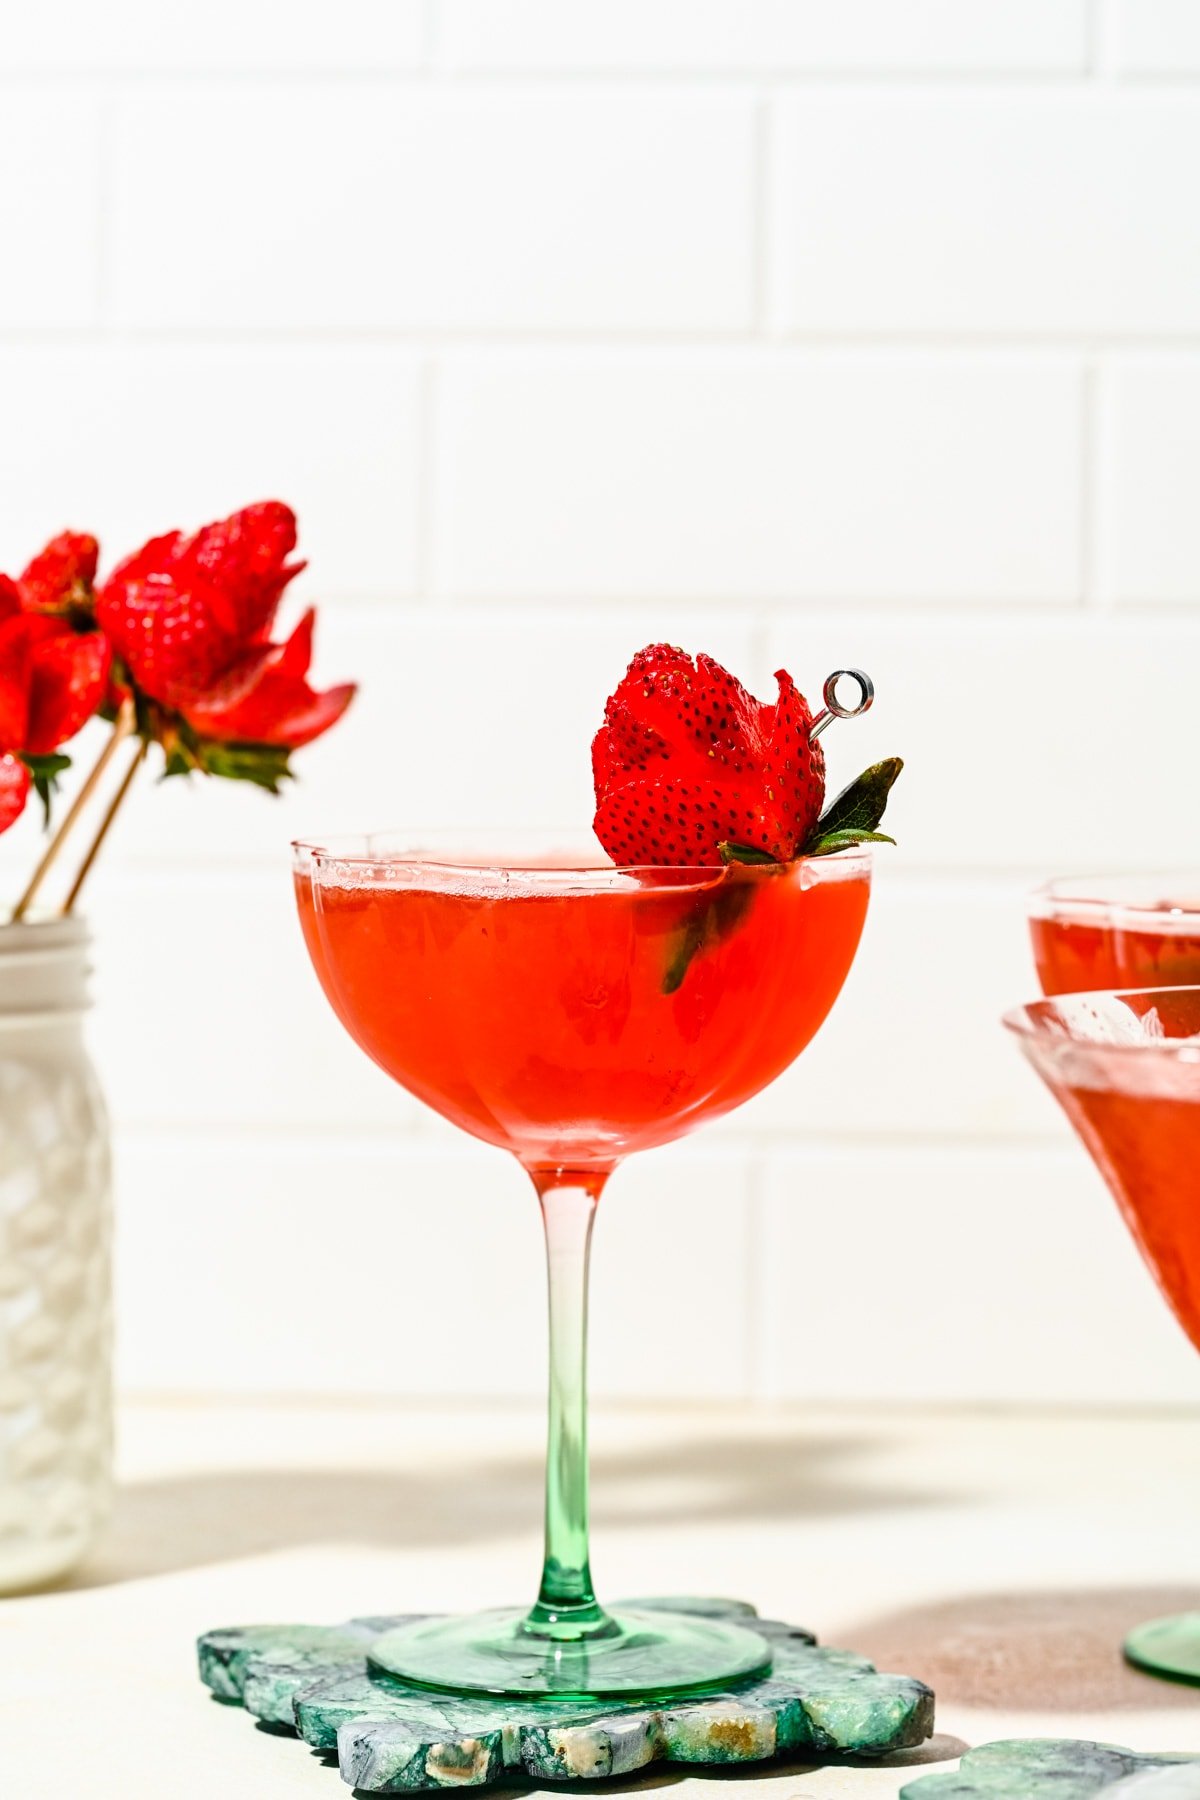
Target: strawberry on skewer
691 770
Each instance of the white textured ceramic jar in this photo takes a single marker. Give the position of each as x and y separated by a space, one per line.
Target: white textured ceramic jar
55 1283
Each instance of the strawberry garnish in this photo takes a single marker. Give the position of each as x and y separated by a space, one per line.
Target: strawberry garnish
691 769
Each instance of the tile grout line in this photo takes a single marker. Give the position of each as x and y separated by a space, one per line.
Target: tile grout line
992 347
425 475
589 611
105 126
428 70
1100 26
763 177
756 1298
1088 520
430 36
596 610
1091 36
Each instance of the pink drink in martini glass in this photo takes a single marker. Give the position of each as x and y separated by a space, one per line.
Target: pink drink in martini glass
1125 1067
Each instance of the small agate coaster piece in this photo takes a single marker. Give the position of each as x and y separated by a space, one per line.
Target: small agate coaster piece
1061 1769
390 1737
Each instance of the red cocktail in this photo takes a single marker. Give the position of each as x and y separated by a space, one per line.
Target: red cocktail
1127 932
574 1015
571 1012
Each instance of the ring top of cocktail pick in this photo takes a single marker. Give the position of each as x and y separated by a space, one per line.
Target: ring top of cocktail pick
834 709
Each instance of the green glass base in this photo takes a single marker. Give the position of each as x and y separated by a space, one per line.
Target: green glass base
1167 1647
653 1655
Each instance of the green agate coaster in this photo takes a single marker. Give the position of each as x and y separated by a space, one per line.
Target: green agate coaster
391 1737
1061 1769
1167 1647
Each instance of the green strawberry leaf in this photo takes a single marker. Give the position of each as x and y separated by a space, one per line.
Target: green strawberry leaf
858 807
687 943
831 841
184 753
46 771
743 853
714 918
266 765
853 818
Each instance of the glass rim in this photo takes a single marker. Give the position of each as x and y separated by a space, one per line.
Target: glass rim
1087 895
416 857
1028 1022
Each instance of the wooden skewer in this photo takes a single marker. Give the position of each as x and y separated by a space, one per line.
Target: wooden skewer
126 724
114 806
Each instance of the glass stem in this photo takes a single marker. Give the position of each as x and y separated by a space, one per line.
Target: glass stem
566 1606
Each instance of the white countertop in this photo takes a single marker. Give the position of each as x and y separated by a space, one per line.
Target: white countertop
998 1556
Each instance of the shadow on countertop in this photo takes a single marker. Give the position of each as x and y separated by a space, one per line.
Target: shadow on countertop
1057 1651
160 1526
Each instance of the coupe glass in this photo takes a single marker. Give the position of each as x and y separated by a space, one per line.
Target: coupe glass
1125 1067
571 1012
1117 932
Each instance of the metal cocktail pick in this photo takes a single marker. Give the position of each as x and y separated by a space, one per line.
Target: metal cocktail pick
833 706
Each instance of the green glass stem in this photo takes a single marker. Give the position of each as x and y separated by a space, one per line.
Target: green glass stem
566 1609
566 1644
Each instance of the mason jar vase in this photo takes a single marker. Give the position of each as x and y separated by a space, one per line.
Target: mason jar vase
55 1281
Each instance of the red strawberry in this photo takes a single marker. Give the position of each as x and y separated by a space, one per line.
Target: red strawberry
15 679
275 705
190 620
10 598
15 783
68 661
687 760
68 683
52 679
62 575
186 613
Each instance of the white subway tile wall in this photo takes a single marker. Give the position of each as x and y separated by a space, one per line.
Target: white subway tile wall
51 207
1156 37
723 37
807 334
434 207
1032 213
764 473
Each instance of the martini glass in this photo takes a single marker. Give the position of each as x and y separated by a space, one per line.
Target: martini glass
1117 932
571 1013
1125 1067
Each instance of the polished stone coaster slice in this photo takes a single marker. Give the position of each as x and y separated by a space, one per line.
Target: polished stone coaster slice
1061 1769
390 1737
263 1667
